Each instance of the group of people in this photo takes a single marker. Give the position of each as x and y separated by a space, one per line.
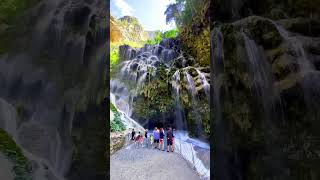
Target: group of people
156 138
159 135
139 138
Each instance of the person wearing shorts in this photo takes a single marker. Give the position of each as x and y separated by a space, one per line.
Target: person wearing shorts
161 139
156 136
169 140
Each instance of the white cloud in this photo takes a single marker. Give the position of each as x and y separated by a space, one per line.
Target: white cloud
124 7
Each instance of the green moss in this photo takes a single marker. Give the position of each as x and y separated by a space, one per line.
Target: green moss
264 32
20 163
156 97
10 9
196 45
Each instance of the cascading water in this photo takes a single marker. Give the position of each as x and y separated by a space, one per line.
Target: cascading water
265 72
180 124
52 51
137 71
191 85
221 164
205 84
262 80
304 63
309 75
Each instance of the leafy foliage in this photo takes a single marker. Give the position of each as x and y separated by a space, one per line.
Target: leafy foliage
173 12
160 36
20 164
171 33
156 40
193 24
116 125
114 57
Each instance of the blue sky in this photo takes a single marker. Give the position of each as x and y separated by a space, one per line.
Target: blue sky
149 12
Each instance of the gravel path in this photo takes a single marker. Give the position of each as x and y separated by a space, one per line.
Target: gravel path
144 163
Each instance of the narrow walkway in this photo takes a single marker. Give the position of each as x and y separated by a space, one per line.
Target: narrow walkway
146 163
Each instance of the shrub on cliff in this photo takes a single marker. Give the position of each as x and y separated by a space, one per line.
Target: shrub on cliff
116 125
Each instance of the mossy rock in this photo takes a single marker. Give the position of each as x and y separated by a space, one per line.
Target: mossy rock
283 66
11 9
262 30
290 82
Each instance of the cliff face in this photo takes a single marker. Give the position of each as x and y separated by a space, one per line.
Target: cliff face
265 93
53 83
127 28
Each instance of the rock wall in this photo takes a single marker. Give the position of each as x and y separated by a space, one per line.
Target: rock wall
265 99
53 82
127 28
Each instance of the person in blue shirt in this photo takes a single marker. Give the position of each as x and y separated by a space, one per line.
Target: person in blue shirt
156 136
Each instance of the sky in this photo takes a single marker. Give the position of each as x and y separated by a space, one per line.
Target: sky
150 13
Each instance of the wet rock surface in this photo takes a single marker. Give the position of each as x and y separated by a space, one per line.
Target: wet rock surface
265 68
52 74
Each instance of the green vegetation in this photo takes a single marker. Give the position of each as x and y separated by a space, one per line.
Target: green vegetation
10 9
10 12
161 35
191 17
20 163
114 57
156 40
116 125
171 33
156 96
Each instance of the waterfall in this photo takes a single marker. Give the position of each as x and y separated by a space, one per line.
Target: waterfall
261 73
205 84
191 85
8 118
120 96
221 165
180 123
309 75
304 63
8 122
138 70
